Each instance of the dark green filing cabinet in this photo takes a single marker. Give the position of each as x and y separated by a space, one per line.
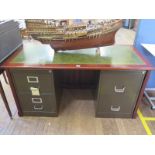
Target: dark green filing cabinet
36 91
118 92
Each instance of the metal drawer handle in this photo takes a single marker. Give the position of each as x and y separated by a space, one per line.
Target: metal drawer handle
119 90
32 79
38 108
115 108
37 100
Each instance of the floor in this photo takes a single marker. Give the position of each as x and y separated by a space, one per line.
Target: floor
75 116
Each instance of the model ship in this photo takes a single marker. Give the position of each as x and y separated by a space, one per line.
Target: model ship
64 35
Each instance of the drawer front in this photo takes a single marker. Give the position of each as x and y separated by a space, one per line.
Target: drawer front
115 104
43 103
118 91
26 80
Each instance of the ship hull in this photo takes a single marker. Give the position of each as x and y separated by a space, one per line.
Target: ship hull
81 43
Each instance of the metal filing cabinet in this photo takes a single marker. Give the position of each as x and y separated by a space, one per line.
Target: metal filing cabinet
118 92
36 92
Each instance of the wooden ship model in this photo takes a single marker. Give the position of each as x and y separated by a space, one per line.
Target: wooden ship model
64 35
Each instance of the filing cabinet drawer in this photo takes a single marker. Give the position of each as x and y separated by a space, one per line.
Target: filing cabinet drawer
43 103
115 104
115 82
40 79
118 92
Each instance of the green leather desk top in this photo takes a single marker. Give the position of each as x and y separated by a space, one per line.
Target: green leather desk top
35 54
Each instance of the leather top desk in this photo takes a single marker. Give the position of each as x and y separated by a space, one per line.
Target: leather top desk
37 75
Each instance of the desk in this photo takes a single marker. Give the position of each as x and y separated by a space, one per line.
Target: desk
35 73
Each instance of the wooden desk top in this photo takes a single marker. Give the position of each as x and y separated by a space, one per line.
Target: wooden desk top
33 54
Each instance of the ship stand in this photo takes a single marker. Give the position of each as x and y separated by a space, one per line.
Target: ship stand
149 93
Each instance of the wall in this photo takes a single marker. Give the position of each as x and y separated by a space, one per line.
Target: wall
146 34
